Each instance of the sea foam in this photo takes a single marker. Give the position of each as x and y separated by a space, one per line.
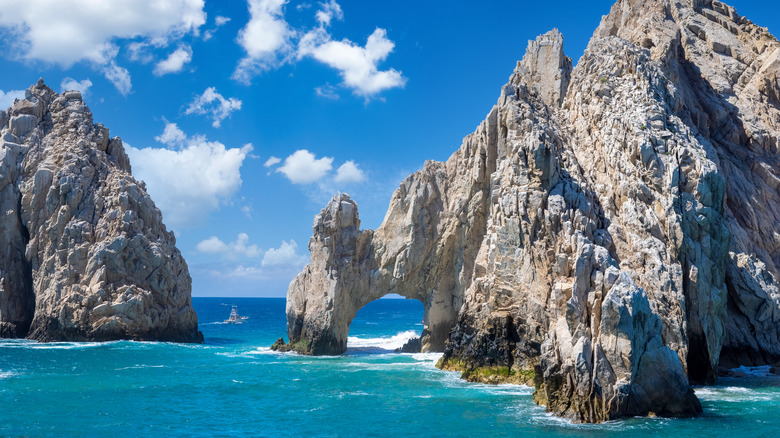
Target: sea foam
7 374
382 344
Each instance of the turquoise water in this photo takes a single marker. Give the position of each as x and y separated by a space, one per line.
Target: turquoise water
234 386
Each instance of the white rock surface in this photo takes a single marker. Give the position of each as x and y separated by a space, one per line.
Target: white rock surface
86 255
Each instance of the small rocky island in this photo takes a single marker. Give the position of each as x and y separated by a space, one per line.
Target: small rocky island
610 233
84 255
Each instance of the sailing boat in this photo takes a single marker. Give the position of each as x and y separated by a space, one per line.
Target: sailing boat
235 318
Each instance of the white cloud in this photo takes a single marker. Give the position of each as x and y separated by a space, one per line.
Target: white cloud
119 76
266 39
327 91
241 271
172 135
328 11
214 104
239 248
247 210
302 167
175 62
68 84
189 183
349 172
273 161
140 51
7 98
286 254
66 32
219 21
357 66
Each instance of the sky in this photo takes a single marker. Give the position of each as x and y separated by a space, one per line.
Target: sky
244 117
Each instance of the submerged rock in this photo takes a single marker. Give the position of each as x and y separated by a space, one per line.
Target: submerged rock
610 232
85 254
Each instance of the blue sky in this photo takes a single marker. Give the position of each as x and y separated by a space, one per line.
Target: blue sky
245 117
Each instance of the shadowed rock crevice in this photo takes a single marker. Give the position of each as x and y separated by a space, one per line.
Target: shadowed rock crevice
17 300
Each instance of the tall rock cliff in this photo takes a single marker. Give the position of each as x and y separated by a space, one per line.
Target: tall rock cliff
85 254
611 232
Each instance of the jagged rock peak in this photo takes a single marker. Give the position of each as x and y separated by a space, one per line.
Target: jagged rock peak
611 240
85 254
545 68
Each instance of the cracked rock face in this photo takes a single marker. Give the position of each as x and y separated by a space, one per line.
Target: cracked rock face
85 254
611 231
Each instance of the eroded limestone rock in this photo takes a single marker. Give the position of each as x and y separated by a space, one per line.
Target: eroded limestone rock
611 232
85 254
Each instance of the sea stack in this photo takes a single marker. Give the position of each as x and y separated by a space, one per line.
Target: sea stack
85 254
610 232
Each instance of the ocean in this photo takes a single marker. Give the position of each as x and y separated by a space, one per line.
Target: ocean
233 385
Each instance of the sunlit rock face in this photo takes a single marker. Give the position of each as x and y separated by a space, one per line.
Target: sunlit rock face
85 255
610 233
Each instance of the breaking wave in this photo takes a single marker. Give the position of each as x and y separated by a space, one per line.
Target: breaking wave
379 345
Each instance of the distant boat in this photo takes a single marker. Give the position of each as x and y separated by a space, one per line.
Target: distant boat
235 318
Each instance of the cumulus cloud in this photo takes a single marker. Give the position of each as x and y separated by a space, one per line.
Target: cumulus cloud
286 254
357 66
277 266
272 161
189 183
215 105
266 39
7 97
68 84
328 11
240 248
175 62
65 32
172 135
303 167
349 172
268 42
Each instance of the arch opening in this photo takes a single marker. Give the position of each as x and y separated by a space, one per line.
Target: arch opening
386 325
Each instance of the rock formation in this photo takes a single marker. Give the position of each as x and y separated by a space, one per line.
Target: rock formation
611 231
85 254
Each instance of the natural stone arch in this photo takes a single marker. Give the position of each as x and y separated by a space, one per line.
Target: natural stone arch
350 267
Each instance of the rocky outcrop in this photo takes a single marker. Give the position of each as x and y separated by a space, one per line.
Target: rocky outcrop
85 255
609 232
413 345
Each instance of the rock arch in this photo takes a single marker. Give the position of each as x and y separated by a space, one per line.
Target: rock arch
350 268
421 251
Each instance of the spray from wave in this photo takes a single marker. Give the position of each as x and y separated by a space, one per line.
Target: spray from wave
379 345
